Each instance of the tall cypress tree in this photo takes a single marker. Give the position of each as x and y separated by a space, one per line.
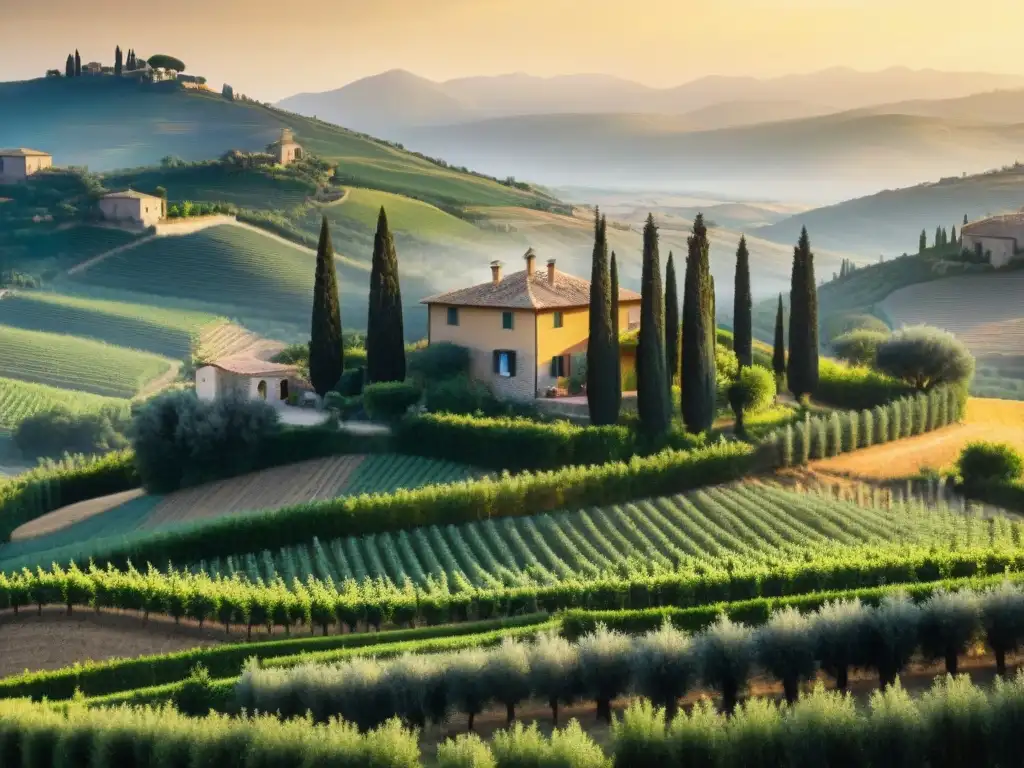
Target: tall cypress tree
802 370
118 61
952 235
78 64
616 354
69 66
325 349
779 352
601 400
922 242
671 323
652 396
698 375
742 308
385 334
938 236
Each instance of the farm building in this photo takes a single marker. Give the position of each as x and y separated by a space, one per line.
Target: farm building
133 207
248 378
1002 237
286 149
522 329
19 164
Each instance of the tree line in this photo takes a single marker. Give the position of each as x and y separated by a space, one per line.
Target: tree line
73 65
672 344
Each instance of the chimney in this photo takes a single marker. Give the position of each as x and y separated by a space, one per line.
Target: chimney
495 272
551 271
531 258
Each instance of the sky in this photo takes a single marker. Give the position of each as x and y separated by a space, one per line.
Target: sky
269 50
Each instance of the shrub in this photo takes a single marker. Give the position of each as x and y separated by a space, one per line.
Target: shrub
351 382
856 387
180 440
604 668
956 718
438 361
858 347
983 462
195 695
664 667
726 653
895 731
785 647
838 324
756 388
640 739
925 357
59 431
460 394
465 751
389 401
867 429
696 738
754 735
949 622
824 730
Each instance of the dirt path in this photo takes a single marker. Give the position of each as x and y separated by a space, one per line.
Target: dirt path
161 382
991 420
71 514
81 267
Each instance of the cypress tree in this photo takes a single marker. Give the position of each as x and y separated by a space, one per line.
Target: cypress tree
698 374
385 334
802 370
118 61
325 348
965 219
652 397
742 310
779 352
952 234
601 400
78 64
671 323
922 243
938 236
69 66
616 354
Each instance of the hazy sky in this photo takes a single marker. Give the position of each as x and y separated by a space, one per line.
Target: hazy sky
273 49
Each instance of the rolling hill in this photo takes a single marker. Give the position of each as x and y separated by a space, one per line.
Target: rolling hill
108 123
891 221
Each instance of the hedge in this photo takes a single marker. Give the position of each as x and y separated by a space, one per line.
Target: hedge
856 387
662 474
106 677
1008 496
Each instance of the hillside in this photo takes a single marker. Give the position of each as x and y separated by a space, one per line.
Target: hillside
891 221
108 123
858 154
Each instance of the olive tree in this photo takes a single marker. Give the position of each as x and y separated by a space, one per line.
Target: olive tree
664 667
925 357
949 622
786 649
726 654
858 347
605 667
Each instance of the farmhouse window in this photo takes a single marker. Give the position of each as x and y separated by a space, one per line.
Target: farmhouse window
453 315
558 319
506 320
559 366
504 363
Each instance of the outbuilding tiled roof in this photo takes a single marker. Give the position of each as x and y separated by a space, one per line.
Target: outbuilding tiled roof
23 152
245 365
521 291
129 194
1008 225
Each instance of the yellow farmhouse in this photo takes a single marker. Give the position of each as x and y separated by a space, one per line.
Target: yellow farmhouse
521 329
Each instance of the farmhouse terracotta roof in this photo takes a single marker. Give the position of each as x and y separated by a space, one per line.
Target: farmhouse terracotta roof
246 365
515 291
129 194
1008 225
23 152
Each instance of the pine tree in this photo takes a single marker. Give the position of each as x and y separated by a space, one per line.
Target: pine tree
325 347
652 396
118 61
742 317
922 244
613 279
802 368
671 323
601 400
698 375
78 64
69 66
779 352
385 333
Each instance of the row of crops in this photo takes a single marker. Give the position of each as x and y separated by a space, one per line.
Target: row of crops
19 400
717 530
68 362
135 326
65 247
387 473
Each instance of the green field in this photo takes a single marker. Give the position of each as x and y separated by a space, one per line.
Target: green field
138 326
107 123
30 248
20 399
68 362
712 531
387 473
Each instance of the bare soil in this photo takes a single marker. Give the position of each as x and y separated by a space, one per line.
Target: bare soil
73 513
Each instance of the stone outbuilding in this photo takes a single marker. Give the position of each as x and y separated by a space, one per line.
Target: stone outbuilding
18 164
286 149
248 378
1000 237
133 207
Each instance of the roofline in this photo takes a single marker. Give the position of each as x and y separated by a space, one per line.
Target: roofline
430 301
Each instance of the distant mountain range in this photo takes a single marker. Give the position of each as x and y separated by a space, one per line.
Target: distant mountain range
390 102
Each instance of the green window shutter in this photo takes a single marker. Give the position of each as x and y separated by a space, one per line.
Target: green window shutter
506 320
511 363
497 361
554 366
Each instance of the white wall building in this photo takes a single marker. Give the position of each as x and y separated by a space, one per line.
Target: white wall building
1002 237
248 378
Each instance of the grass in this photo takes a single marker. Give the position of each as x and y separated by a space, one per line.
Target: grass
68 362
38 247
138 326
19 400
